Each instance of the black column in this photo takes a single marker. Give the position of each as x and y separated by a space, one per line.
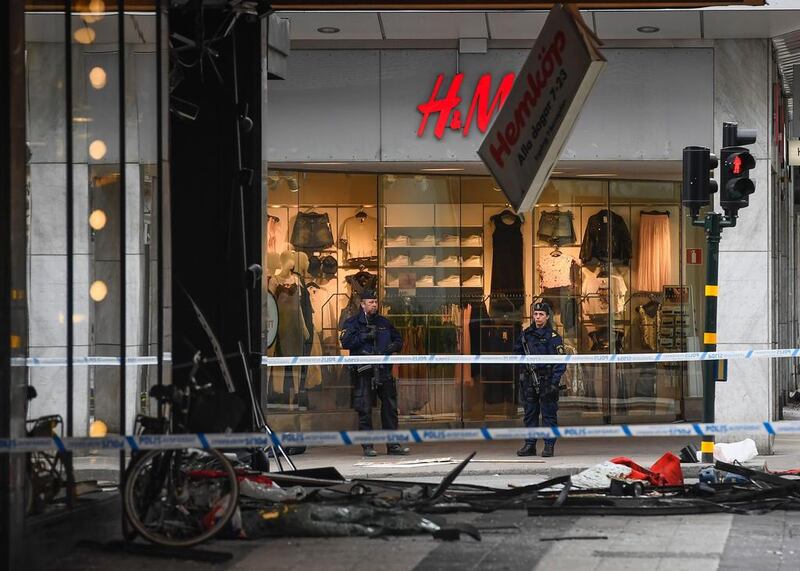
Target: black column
215 236
13 293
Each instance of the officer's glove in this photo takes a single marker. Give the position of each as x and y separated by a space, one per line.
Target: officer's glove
392 347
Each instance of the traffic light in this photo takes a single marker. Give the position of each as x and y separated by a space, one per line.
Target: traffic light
698 181
735 184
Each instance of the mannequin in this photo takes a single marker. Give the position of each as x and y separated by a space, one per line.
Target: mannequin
292 331
273 263
301 267
288 259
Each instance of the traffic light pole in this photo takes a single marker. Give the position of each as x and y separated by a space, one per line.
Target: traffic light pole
698 186
713 224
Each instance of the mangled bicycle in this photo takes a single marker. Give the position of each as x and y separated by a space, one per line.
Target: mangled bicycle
180 497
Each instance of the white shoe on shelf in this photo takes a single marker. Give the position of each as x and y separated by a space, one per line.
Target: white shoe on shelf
448 262
428 240
448 240
425 281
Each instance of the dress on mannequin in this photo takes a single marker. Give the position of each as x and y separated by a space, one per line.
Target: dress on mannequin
508 286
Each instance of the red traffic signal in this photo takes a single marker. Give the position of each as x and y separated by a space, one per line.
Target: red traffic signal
736 186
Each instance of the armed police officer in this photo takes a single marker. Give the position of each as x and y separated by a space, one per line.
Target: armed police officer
369 333
540 384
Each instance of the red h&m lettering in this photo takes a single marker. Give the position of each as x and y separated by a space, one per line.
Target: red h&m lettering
480 101
441 106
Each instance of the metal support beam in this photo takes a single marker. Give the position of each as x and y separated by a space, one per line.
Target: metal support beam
13 291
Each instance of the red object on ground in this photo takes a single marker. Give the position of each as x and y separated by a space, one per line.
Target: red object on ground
665 472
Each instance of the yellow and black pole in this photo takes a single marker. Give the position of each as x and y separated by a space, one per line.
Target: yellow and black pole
698 186
713 224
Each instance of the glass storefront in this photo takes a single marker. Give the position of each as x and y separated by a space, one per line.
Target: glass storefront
457 272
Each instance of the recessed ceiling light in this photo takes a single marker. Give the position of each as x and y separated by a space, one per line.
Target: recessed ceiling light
329 30
648 29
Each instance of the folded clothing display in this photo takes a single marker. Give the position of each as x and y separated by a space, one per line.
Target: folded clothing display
425 261
472 262
399 260
474 281
453 280
428 240
401 240
472 240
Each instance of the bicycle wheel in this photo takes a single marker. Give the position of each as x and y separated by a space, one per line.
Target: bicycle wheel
180 498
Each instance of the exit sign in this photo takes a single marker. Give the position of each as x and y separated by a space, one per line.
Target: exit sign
694 256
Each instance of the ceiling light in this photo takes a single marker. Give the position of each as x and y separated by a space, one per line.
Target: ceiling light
328 30
98 290
81 119
84 35
97 220
648 29
97 77
97 149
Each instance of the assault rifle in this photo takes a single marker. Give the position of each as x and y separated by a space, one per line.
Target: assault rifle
376 379
530 370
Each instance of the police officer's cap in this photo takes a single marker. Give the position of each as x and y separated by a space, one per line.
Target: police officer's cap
542 306
369 294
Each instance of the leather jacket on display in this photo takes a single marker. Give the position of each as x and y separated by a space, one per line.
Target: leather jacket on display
598 245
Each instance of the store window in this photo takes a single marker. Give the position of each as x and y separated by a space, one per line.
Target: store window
321 252
457 272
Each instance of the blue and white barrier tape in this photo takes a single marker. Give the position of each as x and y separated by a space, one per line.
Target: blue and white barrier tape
441 359
354 438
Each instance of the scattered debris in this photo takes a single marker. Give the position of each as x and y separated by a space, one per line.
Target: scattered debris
689 454
573 537
407 463
321 503
742 451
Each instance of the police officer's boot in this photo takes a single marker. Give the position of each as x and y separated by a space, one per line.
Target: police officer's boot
529 449
549 450
369 450
397 450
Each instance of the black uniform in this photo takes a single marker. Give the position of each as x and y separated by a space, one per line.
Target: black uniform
374 337
541 341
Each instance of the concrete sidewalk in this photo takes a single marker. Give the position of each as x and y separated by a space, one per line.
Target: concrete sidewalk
499 457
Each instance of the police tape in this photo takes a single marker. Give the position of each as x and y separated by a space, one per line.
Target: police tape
266 361
412 436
